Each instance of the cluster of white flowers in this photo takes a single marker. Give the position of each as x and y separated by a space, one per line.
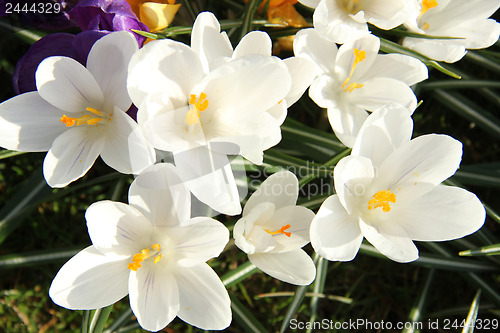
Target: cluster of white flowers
206 101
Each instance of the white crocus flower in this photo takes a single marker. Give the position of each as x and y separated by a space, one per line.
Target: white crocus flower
152 250
389 192
184 105
273 230
355 79
467 20
344 20
78 114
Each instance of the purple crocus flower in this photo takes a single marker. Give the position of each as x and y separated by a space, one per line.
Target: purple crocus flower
107 15
57 44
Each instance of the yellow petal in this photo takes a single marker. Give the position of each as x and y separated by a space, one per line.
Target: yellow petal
286 14
157 16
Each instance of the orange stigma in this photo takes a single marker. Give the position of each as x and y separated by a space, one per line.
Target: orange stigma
280 231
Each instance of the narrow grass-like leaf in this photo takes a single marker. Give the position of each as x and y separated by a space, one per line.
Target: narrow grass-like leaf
417 310
484 178
21 204
120 321
470 321
99 319
459 84
439 262
10 153
318 288
250 10
470 111
298 297
85 321
42 257
483 61
245 318
30 36
333 161
311 135
490 250
190 9
239 274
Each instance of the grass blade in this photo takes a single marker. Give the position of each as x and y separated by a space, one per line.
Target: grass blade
36 257
10 153
416 312
298 297
245 318
490 250
239 274
99 319
472 315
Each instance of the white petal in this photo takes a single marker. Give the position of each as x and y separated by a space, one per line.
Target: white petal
154 297
160 194
255 42
310 3
392 14
436 49
199 240
90 280
72 154
381 91
310 45
351 176
401 67
383 132
419 165
303 72
66 84
295 267
108 62
117 229
208 175
444 213
164 65
346 121
29 123
207 40
335 235
126 149
334 23
392 241
204 300
281 189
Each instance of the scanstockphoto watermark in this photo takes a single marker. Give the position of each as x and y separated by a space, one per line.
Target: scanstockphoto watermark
321 184
353 324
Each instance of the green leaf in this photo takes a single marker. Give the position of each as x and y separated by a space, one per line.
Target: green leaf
300 293
461 84
10 153
29 36
245 318
483 61
318 288
472 315
99 318
41 257
490 250
439 262
470 111
239 274
22 203
250 10
417 310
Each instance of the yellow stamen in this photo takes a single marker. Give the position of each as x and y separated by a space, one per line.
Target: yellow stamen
138 258
426 5
382 199
280 231
425 26
359 56
200 105
85 119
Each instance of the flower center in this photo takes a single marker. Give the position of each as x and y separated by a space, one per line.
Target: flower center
198 105
359 56
138 258
89 119
426 5
280 231
382 199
